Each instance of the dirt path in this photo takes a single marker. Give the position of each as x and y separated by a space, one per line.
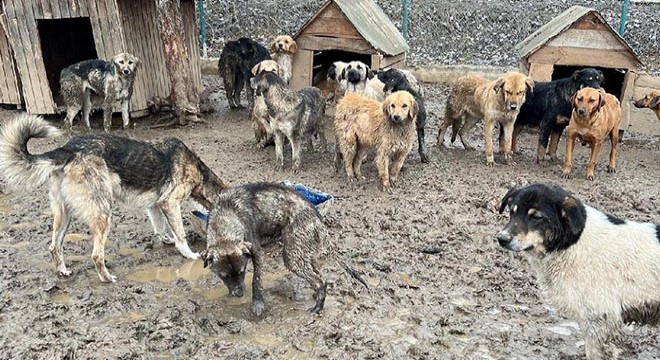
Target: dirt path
471 300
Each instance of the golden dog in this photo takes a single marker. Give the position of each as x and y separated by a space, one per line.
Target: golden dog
473 98
596 114
282 49
362 124
260 120
650 101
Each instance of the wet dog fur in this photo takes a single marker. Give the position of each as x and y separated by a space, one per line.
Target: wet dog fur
238 57
398 76
548 107
363 124
88 173
263 132
93 84
650 101
597 268
282 49
246 216
596 115
473 98
295 115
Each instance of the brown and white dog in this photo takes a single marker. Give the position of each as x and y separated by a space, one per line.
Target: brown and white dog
282 49
473 98
650 101
596 114
363 124
263 132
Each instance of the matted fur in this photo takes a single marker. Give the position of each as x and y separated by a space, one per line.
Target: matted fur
474 98
598 269
88 173
282 49
363 124
650 101
263 132
93 84
295 115
596 115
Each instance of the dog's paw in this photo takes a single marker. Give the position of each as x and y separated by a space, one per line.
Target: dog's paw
611 170
108 278
424 158
258 308
566 175
590 177
490 163
64 272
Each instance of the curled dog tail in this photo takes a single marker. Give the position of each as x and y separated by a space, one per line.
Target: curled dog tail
18 167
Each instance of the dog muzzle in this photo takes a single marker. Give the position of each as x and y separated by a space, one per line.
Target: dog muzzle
126 72
353 77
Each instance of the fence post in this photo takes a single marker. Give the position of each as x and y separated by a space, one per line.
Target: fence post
202 26
624 14
405 19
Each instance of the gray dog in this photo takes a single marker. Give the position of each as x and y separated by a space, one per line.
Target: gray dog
298 115
246 216
92 84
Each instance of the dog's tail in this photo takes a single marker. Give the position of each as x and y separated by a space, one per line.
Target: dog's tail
17 166
456 124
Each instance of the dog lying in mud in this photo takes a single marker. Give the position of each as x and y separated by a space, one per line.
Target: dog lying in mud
363 124
595 267
473 98
263 132
296 115
245 216
94 84
88 173
650 101
596 115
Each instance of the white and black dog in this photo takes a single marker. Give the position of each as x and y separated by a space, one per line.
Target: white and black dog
600 269
358 77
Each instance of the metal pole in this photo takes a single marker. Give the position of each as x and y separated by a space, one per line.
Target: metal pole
405 19
202 26
624 14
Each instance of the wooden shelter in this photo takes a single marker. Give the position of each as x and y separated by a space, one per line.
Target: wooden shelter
578 38
346 30
38 38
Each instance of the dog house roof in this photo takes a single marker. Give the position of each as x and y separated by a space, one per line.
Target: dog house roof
371 22
561 23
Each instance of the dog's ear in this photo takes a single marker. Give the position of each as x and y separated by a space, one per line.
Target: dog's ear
247 248
576 75
655 102
343 74
602 76
601 99
573 104
498 85
294 47
273 46
255 69
386 106
507 198
529 82
414 110
370 74
572 214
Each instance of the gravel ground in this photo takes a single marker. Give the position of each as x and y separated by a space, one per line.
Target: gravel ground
470 300
476 32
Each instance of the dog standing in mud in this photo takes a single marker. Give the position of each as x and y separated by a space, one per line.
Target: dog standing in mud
597 268
596 115
88 173
363 124
244 216
238 57
473 98
282 49
263 132
296 115
650 101
92 84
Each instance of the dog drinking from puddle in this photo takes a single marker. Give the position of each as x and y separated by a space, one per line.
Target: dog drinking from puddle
597 268
596 115
246 216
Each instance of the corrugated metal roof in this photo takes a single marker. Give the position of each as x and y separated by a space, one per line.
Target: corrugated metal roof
371 22
557 26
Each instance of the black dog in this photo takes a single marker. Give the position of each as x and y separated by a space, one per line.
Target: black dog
395 80
236 60
549 108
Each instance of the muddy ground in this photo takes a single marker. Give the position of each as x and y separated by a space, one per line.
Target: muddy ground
471 300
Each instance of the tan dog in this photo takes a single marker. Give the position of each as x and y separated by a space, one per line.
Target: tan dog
650 101
596 114
260 120
473 98
363 124
282 49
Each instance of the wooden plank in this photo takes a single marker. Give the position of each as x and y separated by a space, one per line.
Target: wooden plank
388 61
584 57
46 11
588 39
646 80
590 22
627 98
190 27
333 27
132 28
375 61
47 103
330 43
161 82
16 43
303 61
97 29
541 72
9 90
55 8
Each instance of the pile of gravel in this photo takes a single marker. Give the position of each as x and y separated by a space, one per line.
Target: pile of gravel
475 32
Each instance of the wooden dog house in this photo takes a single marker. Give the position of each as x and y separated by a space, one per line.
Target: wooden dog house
346 30
578 38
38 38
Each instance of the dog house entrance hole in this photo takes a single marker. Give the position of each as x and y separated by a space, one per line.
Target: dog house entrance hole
323 60
64 42
613 77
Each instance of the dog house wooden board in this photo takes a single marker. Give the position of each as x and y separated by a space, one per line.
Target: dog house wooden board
357 27
107 26
580 37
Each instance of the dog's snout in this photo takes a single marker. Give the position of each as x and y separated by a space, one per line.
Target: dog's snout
581 111
126 72
396 118
280 45
353 76
513 106
503 238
